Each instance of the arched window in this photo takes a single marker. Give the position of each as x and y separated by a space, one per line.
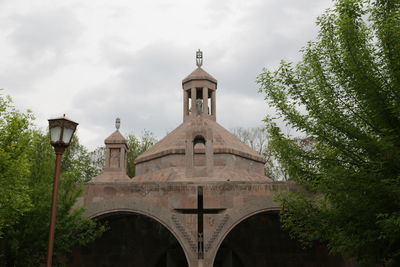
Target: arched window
199 142
199 151
199 155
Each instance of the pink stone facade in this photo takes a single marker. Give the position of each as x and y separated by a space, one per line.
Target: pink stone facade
199 153
159 201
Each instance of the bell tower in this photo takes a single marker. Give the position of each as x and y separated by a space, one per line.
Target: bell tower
200 149
199 93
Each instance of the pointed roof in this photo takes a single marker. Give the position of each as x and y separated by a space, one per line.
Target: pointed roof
199 74
223 142
115 138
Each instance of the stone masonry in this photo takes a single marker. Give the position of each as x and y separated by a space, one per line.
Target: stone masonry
199 171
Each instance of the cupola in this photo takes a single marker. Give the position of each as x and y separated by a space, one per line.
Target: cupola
199 92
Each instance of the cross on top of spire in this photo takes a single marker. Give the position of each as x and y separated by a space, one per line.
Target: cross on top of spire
199 58
117 123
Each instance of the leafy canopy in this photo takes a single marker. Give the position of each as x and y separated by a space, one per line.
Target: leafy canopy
14 163
137 146
26 179
343 96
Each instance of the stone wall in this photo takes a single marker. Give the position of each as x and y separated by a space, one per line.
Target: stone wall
238 201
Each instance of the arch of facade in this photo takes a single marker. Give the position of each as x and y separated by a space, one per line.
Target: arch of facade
239 216
148 209
290 251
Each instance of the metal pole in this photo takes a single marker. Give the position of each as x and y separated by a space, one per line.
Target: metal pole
53 214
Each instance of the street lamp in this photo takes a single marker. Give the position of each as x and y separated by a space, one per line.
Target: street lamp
61 132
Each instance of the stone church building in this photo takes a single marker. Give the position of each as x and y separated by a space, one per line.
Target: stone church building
199 198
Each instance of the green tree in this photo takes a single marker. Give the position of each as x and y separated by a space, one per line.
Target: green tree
15 136
344 96
137 146
28 186
77 159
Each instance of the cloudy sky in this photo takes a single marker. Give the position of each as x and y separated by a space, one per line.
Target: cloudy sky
96 60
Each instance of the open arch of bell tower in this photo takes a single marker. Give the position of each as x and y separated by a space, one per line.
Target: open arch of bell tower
199 93
199 182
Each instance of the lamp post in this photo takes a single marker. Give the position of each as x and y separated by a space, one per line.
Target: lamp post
61 132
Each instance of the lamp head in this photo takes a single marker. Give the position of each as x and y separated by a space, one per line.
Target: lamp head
61 131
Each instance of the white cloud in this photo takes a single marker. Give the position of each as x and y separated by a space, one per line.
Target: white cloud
44 35
97 59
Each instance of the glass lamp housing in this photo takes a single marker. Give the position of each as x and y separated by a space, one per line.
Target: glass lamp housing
61 131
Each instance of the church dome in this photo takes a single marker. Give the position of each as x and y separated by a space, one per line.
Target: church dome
232 160
223 142
200 149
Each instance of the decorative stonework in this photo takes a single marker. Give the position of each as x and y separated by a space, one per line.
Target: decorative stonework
216 232
182 230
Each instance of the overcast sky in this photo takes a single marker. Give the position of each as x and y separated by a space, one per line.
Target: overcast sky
96 60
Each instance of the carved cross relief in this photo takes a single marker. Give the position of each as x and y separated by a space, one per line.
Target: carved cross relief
200 211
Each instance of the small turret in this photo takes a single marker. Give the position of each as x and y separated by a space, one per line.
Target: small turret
115 157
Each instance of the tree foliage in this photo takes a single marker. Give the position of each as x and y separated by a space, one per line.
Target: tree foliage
97 161
26 178
78 159
344 95
15 136
137 146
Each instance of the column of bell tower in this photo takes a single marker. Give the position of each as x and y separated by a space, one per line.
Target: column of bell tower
196 101
199 89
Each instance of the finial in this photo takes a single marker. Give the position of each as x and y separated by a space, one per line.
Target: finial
199 58
117 123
